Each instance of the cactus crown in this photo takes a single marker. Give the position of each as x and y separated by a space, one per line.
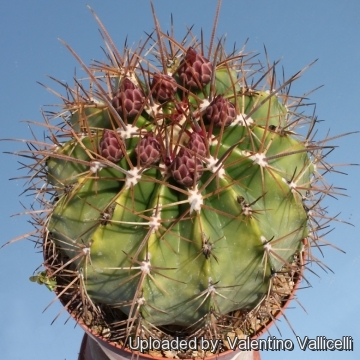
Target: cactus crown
178 198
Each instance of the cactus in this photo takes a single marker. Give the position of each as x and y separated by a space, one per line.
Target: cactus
179 199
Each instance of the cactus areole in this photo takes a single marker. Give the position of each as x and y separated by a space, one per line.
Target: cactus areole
178 195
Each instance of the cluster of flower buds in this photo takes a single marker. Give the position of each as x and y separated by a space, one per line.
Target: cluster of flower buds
220 112
195 70
111 146
187 167
148 150
163 87
128 100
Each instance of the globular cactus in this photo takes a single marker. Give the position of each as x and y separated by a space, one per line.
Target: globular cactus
179 199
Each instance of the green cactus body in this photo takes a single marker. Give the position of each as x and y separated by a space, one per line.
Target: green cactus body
143 240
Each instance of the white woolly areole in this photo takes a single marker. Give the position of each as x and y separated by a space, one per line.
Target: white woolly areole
165 170
126 73
266 246
128 132
268 91
96 101
145 266
132 177
204 104
155 219
211 287
57 146
154 110
258 158
195 200
202 107
86 250
247 210
95 166
141 301
211 164
292 184
240 120
213 141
